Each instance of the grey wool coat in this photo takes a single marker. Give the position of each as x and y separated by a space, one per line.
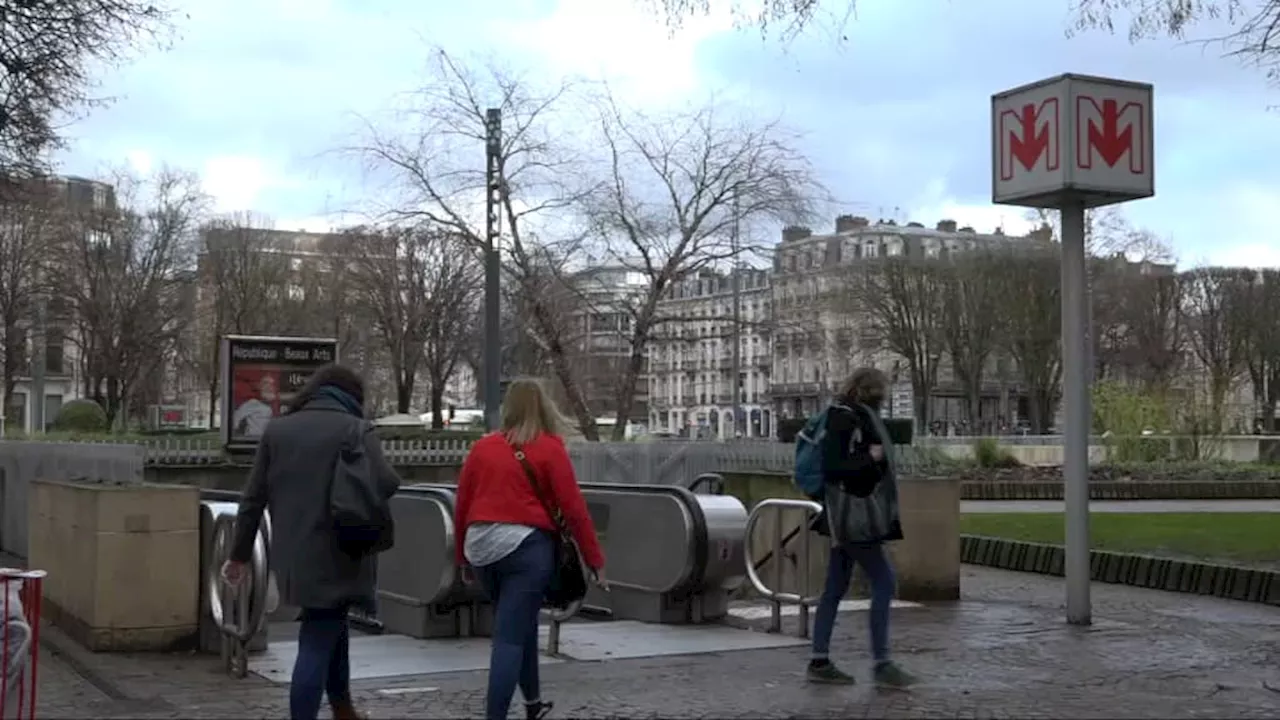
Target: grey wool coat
291 475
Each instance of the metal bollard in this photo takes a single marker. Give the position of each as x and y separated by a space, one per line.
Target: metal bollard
22 592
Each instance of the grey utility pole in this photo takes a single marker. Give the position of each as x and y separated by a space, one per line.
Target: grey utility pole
735 280
492 269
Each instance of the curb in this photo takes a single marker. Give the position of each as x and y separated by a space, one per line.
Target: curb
1124 490
1185 576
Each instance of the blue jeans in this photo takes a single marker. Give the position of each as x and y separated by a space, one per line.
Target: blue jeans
516 585
839 574
323 666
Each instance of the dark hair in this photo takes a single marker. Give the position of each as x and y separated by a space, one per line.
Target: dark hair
338 376
860 383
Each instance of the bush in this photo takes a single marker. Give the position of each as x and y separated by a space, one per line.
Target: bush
81 416
987 453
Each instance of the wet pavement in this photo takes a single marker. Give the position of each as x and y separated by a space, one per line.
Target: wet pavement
1003 651
1124 506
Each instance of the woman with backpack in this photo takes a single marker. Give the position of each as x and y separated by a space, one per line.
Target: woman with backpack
859 494
307 463
515 486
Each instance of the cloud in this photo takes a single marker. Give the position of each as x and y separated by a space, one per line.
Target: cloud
895 119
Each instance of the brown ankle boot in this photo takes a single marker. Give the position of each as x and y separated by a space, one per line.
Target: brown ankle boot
345 711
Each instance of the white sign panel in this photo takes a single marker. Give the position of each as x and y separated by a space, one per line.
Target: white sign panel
1072 136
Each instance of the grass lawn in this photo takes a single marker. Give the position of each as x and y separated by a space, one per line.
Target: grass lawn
1241 538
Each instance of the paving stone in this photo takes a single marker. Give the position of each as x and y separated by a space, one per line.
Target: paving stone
1003 651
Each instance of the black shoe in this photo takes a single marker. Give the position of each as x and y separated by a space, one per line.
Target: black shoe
538 710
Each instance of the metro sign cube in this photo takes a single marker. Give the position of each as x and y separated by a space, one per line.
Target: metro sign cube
1072 137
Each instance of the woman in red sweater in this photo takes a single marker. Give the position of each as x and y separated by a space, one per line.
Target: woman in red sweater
505 534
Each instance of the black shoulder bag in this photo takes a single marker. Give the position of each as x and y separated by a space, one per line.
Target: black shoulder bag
362 522
569 578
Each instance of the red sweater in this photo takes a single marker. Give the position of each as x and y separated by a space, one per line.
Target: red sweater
493 487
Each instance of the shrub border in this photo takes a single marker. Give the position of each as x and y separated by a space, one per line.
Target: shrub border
1185 576
1119 490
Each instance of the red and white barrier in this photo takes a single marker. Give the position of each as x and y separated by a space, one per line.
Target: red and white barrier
20 595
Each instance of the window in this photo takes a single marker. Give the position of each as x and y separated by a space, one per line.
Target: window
16 413
52 406
55 353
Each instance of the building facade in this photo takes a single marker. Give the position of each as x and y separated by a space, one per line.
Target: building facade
691 360
818 343
42 344
600 326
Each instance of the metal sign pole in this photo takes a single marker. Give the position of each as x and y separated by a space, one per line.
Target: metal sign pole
1073 142
1076 408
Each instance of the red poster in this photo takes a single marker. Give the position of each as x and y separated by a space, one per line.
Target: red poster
255 399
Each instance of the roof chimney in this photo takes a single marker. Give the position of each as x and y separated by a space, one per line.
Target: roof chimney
915 225
1044 233
846 223
947 226
791 233
967 229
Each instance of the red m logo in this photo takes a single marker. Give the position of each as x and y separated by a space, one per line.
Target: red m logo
1029 137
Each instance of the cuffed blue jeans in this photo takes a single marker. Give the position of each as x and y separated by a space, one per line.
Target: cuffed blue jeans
323 666
516 585
879 572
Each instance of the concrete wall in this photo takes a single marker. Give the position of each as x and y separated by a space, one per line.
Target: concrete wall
21 463
1231 448
123 561
233 476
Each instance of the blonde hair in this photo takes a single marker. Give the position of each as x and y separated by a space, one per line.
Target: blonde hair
528 411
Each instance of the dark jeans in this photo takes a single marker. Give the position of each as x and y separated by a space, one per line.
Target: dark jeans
516 585
839 574
322 666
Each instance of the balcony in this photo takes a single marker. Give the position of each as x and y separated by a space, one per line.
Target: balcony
794 389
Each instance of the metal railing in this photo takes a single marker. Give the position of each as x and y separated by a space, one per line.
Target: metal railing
777 508
239 612
558 618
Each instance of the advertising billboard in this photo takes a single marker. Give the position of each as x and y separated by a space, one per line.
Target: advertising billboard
260 376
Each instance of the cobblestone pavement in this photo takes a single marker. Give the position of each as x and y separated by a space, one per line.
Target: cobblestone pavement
1004 651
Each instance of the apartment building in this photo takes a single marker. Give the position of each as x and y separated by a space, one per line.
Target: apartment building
52 356
818 343
691 362
600 323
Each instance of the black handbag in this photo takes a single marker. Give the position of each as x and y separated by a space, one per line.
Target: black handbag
362 521
569 577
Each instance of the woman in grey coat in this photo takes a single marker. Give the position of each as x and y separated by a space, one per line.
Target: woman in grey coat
291 475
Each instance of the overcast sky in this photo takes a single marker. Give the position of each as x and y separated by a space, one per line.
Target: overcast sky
896 118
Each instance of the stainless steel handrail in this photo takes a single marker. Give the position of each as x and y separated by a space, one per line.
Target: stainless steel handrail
779 506
239 613
558 618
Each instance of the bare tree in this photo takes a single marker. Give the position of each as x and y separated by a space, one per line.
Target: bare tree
1027 281
970 318
1109 233
900 298
1147 308
1254 38
679 188
391 280
452 282
28 227
435 173
49 52
1260 317
236 273
123 273
788 17
1215 303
